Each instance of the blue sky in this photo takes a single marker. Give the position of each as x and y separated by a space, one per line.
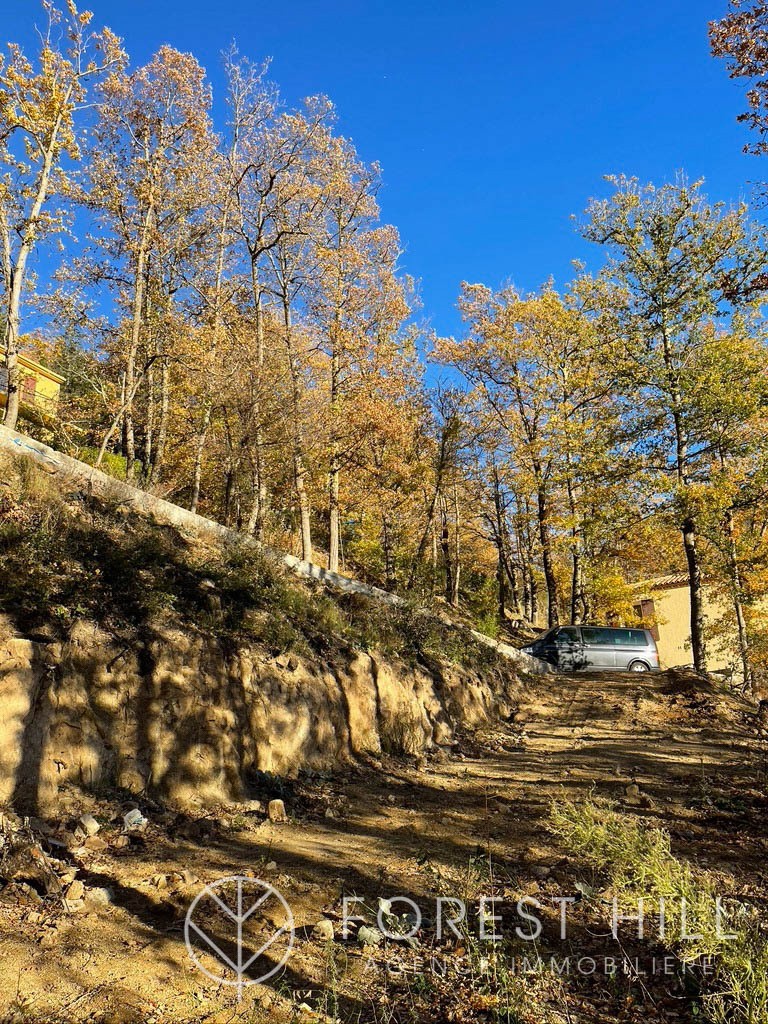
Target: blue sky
493 122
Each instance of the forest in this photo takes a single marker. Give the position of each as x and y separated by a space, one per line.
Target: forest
236 334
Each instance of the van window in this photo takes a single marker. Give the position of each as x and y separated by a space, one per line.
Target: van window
614 637
593 635
631 638
567 635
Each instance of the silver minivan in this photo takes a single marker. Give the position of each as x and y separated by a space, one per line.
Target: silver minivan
597 648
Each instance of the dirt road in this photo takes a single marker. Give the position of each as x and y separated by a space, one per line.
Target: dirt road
464 823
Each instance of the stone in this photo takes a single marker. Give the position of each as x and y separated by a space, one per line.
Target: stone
323 930
76 890
49 939
99 895
89 825
632 790
134 819
159 881
276 811
540 871
189 877
251 807
95 843
369 936
272 866
121 842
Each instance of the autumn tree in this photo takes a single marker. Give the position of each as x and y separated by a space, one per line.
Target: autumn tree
358 302
388 463
275 202
741 39
528 359
677 263
147 181
41 101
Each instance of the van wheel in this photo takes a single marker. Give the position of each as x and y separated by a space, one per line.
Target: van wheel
638 666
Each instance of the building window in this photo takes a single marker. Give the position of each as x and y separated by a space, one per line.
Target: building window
646 610
28 389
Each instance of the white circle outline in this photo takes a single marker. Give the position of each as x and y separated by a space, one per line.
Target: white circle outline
289 927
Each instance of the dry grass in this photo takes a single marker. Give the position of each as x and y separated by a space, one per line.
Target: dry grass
639 863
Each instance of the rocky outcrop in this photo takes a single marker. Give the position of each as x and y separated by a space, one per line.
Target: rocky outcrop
184 717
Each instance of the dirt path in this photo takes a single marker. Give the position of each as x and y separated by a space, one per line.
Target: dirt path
460 823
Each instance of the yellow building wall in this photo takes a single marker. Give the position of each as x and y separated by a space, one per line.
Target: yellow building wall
673 615
47 383
39 405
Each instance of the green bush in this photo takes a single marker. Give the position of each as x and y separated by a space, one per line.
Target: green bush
112 464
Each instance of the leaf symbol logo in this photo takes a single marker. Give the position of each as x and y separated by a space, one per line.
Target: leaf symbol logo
230 917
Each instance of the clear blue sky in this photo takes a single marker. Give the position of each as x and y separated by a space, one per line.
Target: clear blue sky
493 121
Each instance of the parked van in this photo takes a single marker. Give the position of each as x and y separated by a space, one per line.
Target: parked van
597 648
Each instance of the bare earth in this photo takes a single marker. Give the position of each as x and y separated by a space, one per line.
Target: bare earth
465 823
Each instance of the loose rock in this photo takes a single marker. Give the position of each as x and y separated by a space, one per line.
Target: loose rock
99 895
95 843
276 811
76 891
89 825
323 930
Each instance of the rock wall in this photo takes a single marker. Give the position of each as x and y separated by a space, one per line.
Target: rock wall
189 720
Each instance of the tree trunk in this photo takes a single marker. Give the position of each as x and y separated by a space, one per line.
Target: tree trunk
456 546
257 519
445 547
128 397
17 271
334 471
501 583
738 605
387 543
695 588
533 586
149 432
577 586
299 467
442 461
688 526
335 464
545 539
162 430
137 319
578 601
200 446
509 572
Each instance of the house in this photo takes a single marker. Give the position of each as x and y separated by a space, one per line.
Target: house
666 602
40 389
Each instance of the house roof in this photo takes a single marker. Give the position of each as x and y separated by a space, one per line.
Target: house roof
30 364
667 582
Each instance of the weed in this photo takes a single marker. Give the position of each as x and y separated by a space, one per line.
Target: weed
640 864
